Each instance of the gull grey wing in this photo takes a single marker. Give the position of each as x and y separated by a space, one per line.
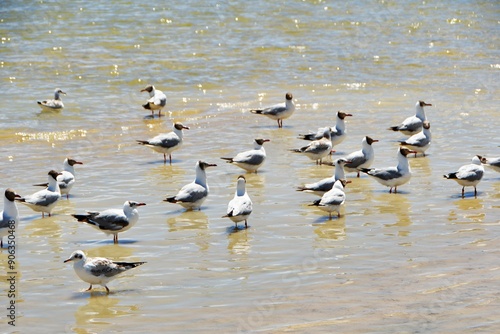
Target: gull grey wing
355 160
191 193
249 157
109 221
43 198
470 174
101 266
385 174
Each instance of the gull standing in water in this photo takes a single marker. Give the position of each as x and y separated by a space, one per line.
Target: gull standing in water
337 133
494 163
44 200
413 124
55 104
468 175
421 141
317 149
192 195
98 270
9 216
240 207
157 100
332 200
250 160
67 178
166 143
393 176
278 112
362 158
113 221
321 187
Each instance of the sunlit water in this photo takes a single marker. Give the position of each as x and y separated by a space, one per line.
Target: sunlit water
423 260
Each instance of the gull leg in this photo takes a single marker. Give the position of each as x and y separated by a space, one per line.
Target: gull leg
390 190
338 214
67 196
90 288
107 290
358 174
395 189
115 238
1 243
463 191
475 191
236 226
164 158
246 226
170 156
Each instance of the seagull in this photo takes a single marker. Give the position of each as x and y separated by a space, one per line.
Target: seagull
55 104
240 207
166 143
9 216
413 124
157 100
317 149
362 158
67 178
337 133
44 200
421 141
494 163
98 270
278 112
250 160
321 187
113 221
393 176
468 175
192 195
332 199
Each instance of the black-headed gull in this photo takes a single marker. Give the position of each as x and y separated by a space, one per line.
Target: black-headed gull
468 175
113 221
317 149
362 158
98 270
193 194
494 163
167 143
44 200
421 141
157 100
321 187
278 112
333 199
393 177
250 160
9 216
67 178
337 133
413 124
55 104
240 207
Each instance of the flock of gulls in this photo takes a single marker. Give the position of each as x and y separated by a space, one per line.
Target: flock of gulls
191 196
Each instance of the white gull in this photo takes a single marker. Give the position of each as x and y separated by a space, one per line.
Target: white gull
278 112
166 143
250 160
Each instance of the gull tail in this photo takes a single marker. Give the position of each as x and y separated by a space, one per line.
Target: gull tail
365 170
170 199
82 218
302 188
142 142
309 136
316 202
146 106
450 176
41 185
128 265
256 111
393 128
228 160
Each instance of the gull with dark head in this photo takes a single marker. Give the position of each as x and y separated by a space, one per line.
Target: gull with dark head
157 100
44 200
193 194
278 112
468 175
250 160
393 177
113 221
337 133
98 270
167 143
55 104
9 216
493 163
67 178
413 124
362 158
421 141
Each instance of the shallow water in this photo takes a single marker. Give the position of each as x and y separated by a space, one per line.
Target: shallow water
423 260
